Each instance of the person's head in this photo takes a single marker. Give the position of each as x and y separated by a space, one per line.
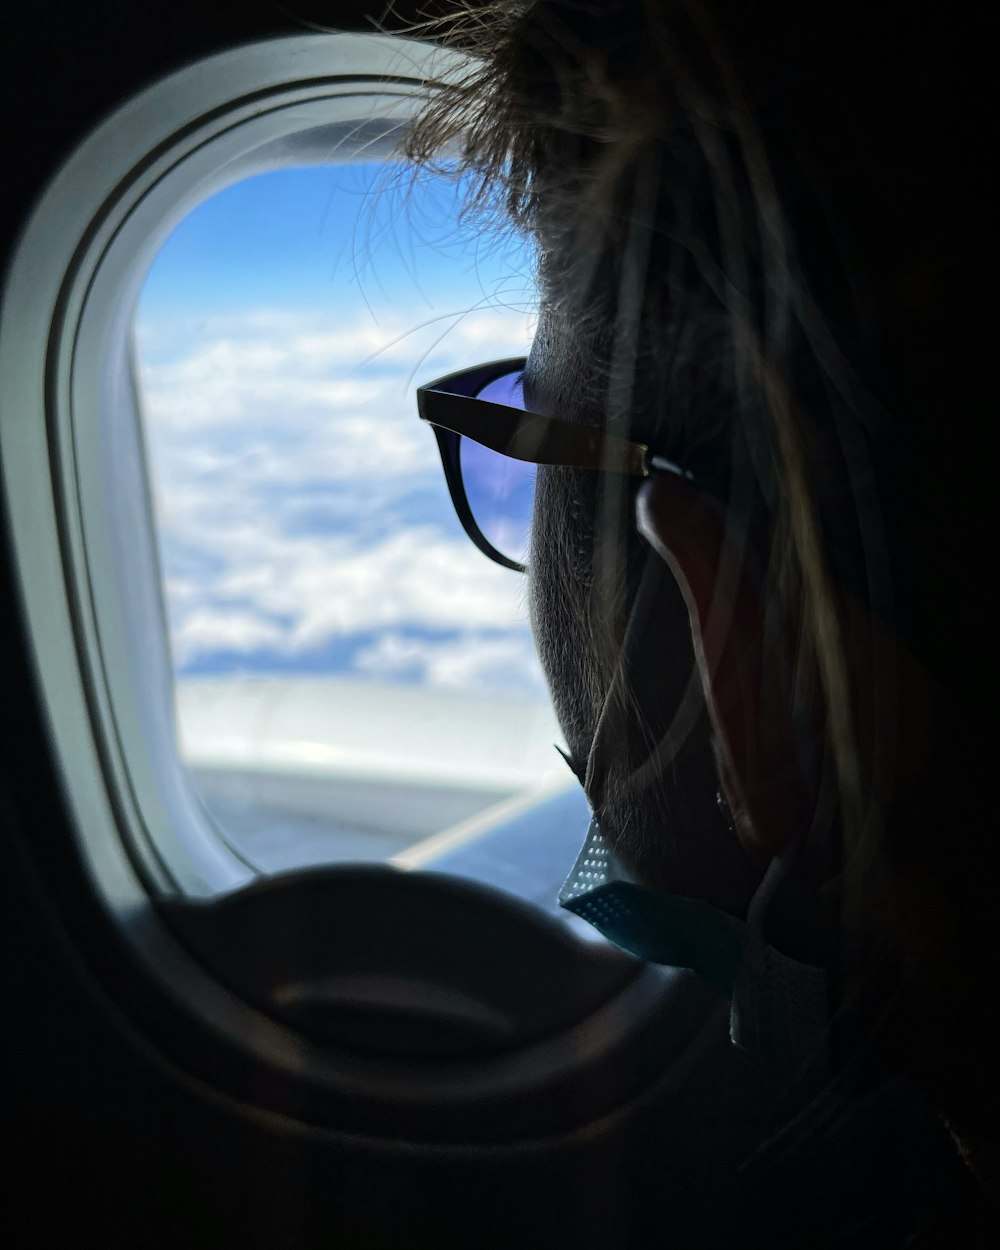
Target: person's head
759 233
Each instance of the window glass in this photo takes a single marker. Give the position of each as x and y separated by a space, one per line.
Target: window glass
353 679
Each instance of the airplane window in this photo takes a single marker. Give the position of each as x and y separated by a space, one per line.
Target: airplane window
352 679
260 639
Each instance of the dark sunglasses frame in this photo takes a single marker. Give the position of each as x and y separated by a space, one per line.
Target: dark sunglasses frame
450 405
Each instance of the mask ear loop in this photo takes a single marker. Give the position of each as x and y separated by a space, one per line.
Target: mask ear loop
610 731
780 1006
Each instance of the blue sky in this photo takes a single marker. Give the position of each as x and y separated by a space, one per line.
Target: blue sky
302 513
338 237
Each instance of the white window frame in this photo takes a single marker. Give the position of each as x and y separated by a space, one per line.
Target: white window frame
78 501
84 550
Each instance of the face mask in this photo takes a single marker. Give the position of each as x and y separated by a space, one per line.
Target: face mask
779 1013
779 1007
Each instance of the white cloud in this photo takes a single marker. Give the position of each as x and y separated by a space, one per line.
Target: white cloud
208 629
330 586
296 396
300 500
414 577
473 661
270 367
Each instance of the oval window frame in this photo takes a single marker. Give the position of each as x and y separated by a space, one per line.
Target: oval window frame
79 546
311 97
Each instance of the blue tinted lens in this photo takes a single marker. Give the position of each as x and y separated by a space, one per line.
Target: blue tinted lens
500 491
507 390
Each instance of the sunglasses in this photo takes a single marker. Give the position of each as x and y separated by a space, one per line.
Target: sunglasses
491 445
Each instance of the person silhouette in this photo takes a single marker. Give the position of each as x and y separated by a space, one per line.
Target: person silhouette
760 234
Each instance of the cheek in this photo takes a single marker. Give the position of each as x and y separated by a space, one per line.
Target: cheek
575 662
574 656
584 560
665 824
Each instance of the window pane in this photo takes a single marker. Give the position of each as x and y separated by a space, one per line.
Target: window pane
354 680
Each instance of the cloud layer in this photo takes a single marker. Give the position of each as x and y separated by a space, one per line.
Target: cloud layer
303 515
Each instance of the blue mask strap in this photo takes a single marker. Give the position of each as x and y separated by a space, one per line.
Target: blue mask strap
660 928
779 1012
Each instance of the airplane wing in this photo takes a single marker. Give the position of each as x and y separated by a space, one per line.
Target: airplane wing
298 771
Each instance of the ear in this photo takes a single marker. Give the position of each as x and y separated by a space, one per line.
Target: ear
745 671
